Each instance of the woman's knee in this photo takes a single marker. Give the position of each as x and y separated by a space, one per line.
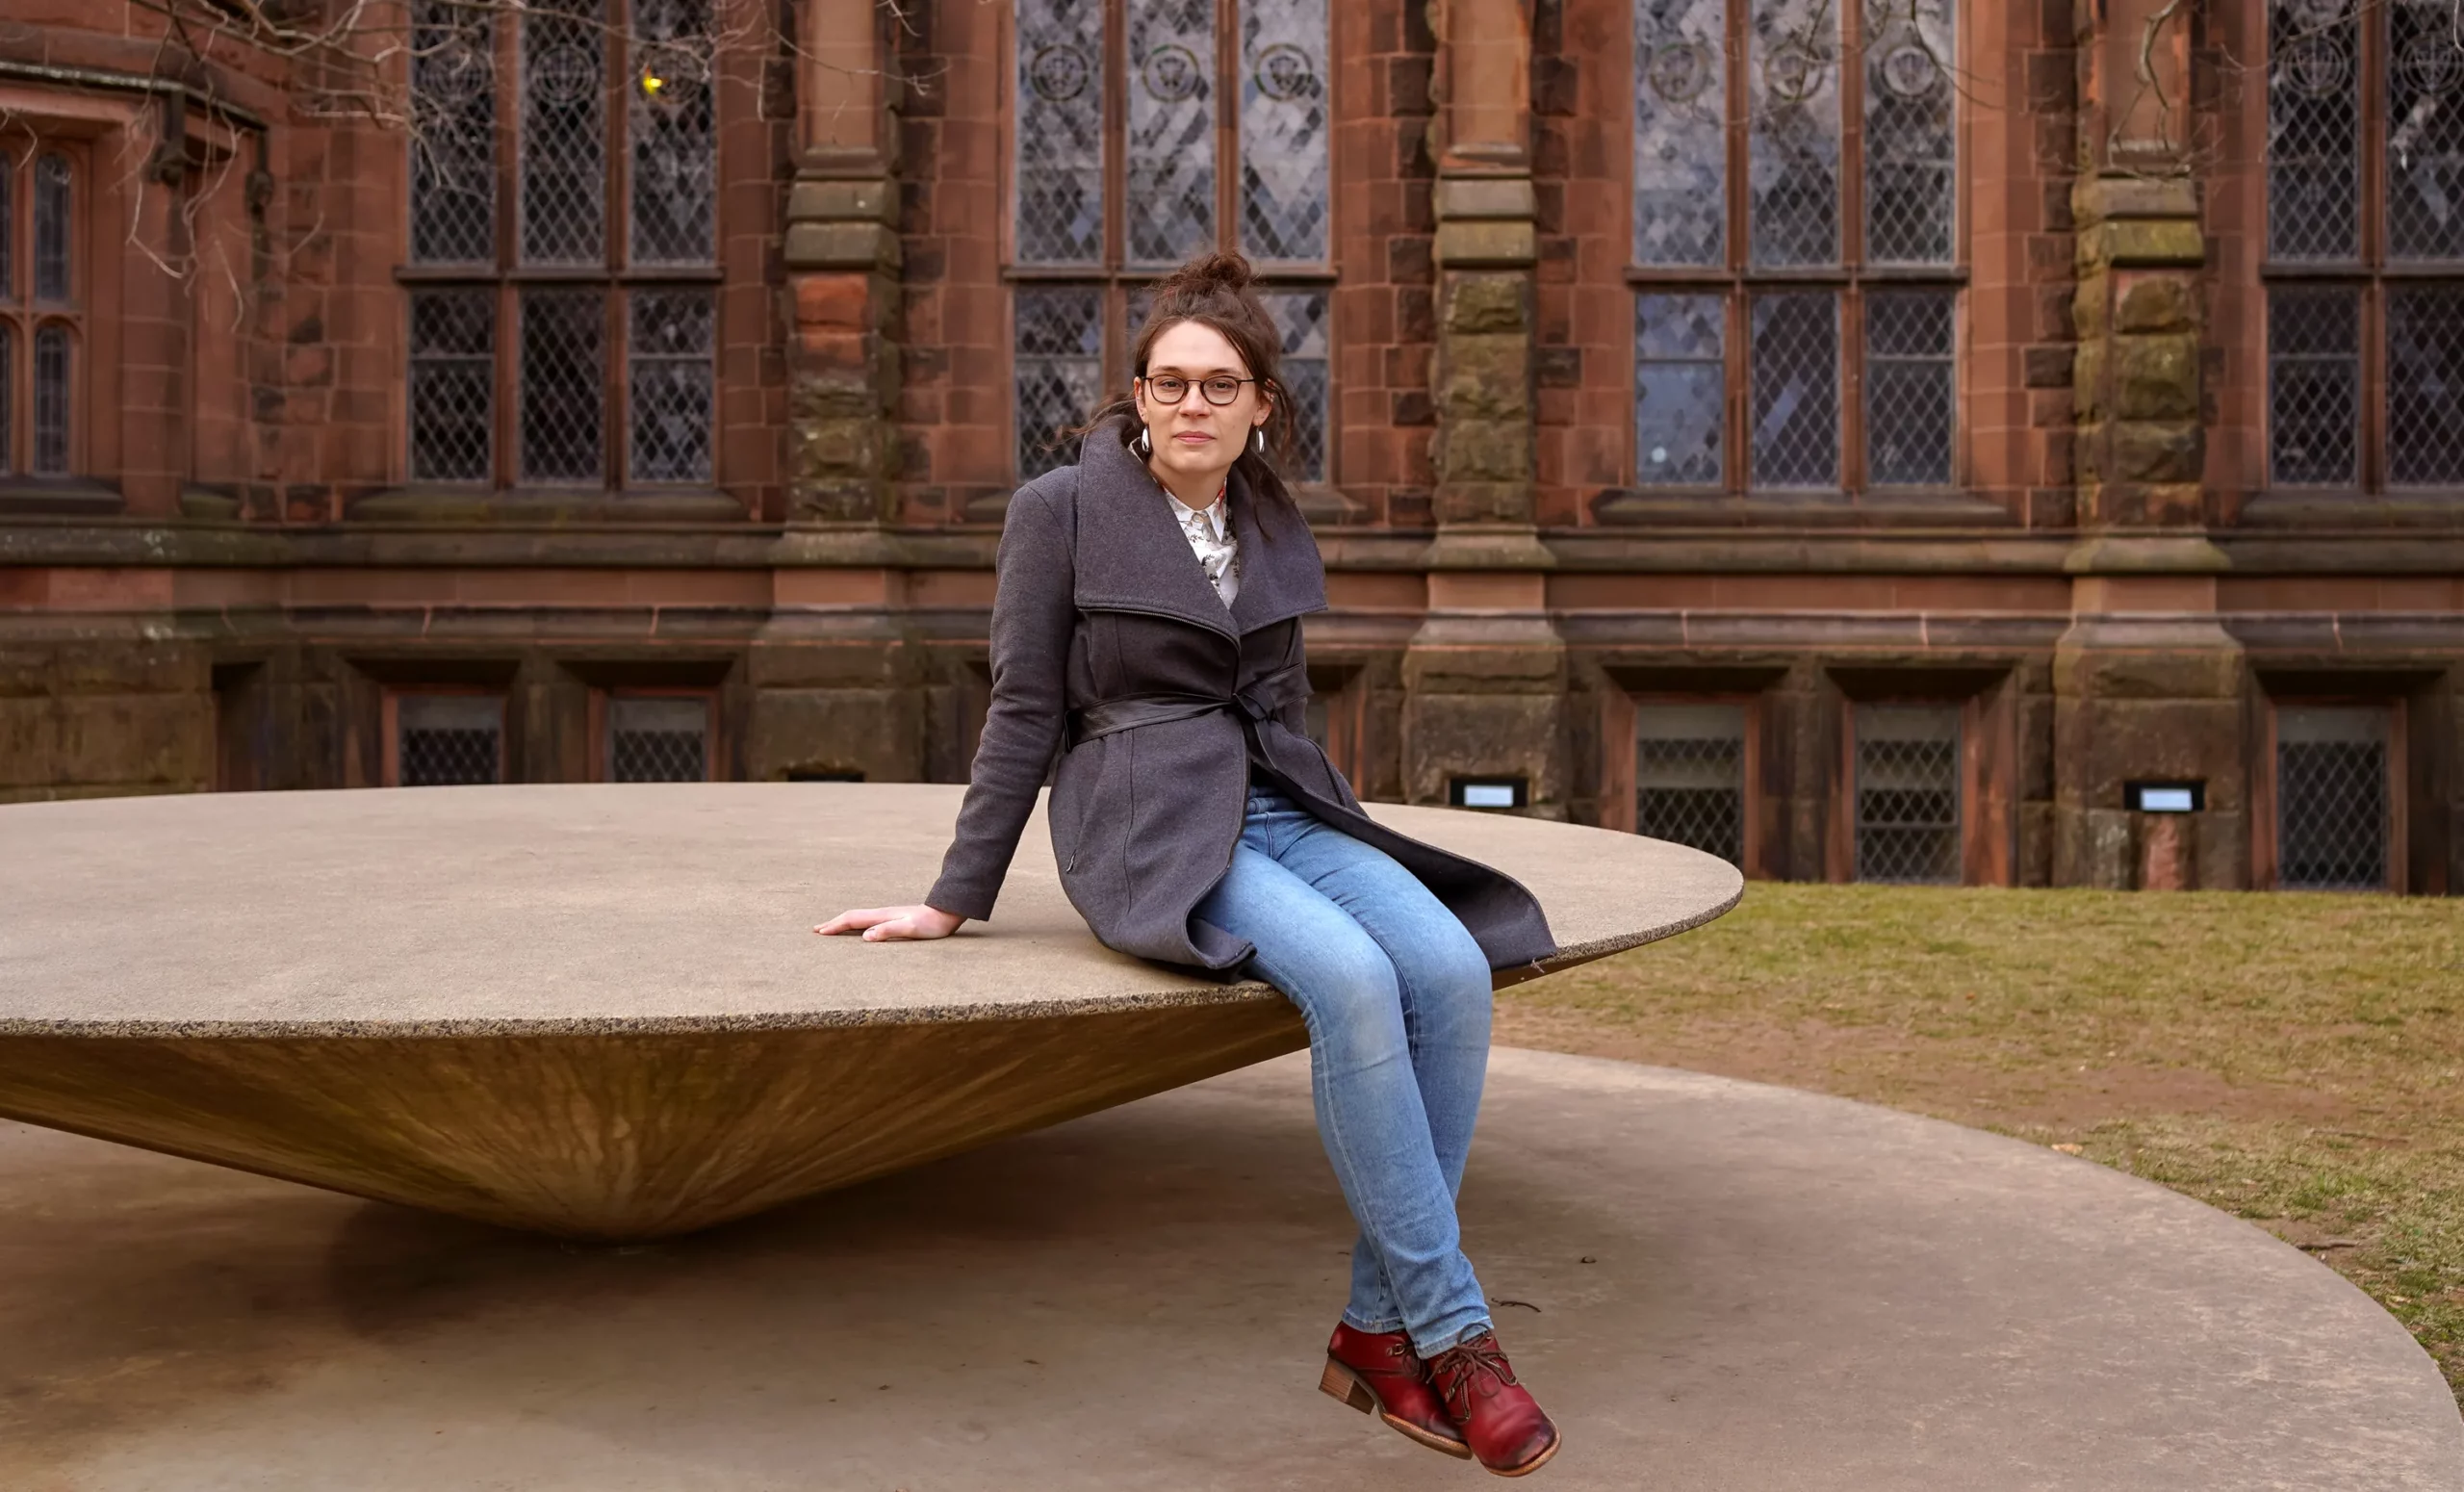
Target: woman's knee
1350 995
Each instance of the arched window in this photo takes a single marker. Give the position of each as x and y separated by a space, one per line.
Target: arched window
2365 252
1758 288
1139 140
604 274
41 318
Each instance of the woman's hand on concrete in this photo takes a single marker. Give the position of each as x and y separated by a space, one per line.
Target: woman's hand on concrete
894 924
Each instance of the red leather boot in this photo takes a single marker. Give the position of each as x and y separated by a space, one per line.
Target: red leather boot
1500 1420
1379 1371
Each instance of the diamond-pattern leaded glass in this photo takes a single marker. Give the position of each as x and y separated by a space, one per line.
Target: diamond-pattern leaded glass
51 401
1793 156
1907 793
1689 777
668 375
454 164
1057 365
2424 385
7 233
1681 132
1908 381
2314 130
2424 131
1284 126
564 339
1911 144
1169 191
1796 389
452 384
449 740
1301 317
2331 798
2314 386
651 739
671 126
1681 390
563 145
52 228
1060 135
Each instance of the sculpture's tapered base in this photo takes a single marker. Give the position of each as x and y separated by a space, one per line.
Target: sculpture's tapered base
620 1135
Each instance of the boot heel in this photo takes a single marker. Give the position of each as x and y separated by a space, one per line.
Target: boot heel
1337 1382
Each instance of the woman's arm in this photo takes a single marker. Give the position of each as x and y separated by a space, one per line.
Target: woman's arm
1033 610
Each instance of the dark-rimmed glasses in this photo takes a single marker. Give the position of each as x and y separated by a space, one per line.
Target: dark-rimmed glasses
1221 389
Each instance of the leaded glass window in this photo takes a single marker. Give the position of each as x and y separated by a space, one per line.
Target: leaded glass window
2424 385
1302 316
1059 367
2365 175
2314 130
1910 387
1680 133
53 202
42 323
659 738
1907 793
1796 389
1120 109
669 368
1285 119
2425 132
454 165
2314 385
1792 156
448 740
52 399
576 344
1689 777
1681 390
2333 819
562 331
1911 165
1794 316
1060 132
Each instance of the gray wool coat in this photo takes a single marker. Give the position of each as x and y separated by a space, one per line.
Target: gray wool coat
1100 600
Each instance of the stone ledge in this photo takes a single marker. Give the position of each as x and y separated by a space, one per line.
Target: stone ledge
448 506
1640 507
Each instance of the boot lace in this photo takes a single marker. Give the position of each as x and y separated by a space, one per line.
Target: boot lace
1454 1370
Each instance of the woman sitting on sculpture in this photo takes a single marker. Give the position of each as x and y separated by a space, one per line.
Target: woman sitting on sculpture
1148 629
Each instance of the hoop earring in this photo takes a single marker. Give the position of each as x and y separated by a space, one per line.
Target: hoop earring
1258 440
1144 445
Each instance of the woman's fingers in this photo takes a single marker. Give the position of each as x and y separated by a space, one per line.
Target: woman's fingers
856 921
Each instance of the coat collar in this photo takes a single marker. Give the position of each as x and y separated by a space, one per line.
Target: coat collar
1131 555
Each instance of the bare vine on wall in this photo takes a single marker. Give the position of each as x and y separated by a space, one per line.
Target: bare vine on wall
400 68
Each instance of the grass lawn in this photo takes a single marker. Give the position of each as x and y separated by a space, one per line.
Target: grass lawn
2296 1060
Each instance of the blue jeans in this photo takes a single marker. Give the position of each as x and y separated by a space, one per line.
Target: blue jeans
1396 994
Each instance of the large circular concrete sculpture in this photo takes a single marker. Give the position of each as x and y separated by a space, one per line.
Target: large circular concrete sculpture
600 1012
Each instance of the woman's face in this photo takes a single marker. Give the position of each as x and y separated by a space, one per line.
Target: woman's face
1196 439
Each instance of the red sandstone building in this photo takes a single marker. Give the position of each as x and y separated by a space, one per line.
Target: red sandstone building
1905 439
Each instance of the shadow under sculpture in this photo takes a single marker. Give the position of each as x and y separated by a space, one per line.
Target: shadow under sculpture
599 1012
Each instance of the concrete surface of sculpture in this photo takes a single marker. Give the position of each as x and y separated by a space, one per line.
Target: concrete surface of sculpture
600 1011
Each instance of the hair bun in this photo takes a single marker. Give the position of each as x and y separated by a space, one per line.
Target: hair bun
1208 274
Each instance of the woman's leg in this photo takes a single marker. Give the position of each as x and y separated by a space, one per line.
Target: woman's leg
1371 1115
1444 982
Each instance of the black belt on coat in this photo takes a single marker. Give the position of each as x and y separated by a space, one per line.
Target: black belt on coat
1256 703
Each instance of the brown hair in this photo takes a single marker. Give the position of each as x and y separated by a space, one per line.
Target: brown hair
1214 290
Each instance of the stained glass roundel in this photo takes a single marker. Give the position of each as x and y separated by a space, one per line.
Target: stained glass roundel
1059 73
1680 71
1285 72
1172 73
